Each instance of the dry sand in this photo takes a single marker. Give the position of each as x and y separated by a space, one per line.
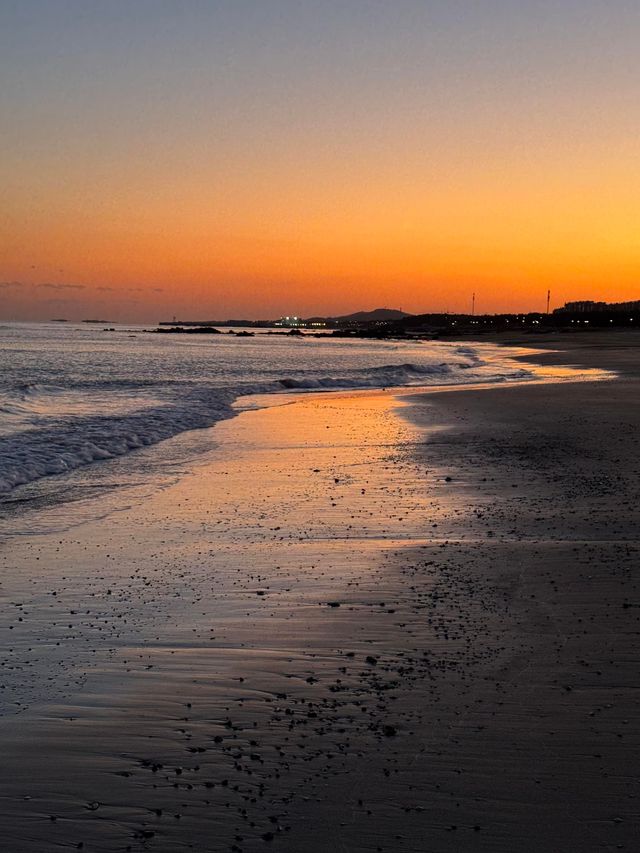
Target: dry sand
365 622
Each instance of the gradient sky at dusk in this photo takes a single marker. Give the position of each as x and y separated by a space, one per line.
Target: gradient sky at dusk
259 157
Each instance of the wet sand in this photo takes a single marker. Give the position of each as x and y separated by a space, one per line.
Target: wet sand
365 622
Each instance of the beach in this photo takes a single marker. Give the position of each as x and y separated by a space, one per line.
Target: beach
365 621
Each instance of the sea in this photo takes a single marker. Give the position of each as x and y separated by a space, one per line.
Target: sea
94 418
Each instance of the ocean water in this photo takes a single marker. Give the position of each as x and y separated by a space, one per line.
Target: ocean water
84 410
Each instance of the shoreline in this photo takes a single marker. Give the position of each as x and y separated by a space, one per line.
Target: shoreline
441 544
613 350
32 455
31 488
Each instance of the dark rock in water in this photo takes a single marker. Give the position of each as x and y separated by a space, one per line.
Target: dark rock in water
333 603
371 660
389 731
190 330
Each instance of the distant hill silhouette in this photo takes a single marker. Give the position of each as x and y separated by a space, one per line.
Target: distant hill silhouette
377 315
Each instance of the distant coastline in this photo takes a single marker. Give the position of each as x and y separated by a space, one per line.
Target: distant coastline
576 316
391 323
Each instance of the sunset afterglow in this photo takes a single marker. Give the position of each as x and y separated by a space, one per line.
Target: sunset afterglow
247 159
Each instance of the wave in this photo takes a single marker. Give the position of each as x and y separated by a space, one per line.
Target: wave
63 444
377 377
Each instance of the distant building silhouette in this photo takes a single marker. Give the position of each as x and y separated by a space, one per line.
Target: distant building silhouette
588 306
290 322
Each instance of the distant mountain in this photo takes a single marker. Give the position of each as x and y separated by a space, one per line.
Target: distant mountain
378 315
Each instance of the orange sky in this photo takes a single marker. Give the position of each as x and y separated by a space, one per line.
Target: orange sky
220 167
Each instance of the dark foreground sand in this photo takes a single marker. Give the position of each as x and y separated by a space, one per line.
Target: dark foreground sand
364 623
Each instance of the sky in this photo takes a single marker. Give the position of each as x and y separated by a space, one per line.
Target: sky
251 158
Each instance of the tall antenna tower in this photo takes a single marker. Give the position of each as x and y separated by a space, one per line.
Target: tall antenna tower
548 300
473 303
